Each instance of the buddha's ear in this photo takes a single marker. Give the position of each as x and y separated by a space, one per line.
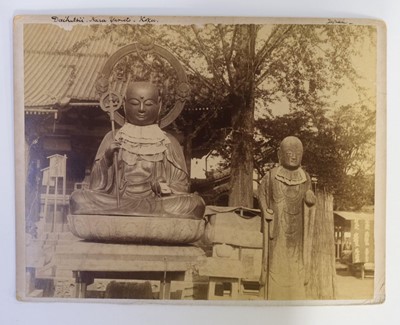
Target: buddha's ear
159 104
123 105
159 110
279 155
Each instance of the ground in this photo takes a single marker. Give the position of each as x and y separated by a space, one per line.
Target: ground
352 287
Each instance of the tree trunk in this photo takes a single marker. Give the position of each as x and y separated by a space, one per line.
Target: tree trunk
241 181
242 104
322 283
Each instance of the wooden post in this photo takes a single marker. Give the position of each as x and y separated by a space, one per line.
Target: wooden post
46 198
64 176
322 280
55 205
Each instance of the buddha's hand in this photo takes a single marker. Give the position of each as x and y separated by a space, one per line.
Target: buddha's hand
109 153
310 198
161 188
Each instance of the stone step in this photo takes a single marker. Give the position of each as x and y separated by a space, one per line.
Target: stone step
36 293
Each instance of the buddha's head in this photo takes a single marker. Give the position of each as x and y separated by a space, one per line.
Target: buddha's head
142 103
290 152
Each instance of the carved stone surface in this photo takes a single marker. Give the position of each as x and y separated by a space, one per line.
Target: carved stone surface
285 192
136 229
230 228
65 288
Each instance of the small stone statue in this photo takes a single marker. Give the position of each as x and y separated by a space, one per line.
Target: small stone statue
151 170
285 194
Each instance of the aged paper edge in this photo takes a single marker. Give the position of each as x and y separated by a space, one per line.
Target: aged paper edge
380 164
19 153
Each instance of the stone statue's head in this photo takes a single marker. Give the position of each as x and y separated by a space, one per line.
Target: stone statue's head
142 103
290 152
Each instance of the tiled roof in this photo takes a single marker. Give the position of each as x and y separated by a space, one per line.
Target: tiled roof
61 64
350 215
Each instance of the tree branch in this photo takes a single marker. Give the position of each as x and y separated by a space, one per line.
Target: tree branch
202 47
266 50
185 62
265 46
227 56
235 32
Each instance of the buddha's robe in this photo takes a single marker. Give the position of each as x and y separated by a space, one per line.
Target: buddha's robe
147 156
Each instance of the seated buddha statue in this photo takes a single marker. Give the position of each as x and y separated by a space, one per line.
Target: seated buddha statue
152 177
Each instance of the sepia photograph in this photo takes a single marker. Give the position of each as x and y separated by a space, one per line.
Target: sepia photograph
221 159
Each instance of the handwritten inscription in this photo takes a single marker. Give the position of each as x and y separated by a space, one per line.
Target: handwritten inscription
103 20
338 22
147 20
120 20
68 19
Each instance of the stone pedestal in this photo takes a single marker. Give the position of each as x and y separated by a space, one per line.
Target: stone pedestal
86 261
234 269
136 229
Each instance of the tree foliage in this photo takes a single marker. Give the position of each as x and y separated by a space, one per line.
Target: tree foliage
243 67
306 64
338 150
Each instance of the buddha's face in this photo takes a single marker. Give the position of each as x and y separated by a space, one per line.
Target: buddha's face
142 104
291 153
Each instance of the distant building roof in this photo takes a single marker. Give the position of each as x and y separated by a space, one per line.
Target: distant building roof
355 215
61 69
62 65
